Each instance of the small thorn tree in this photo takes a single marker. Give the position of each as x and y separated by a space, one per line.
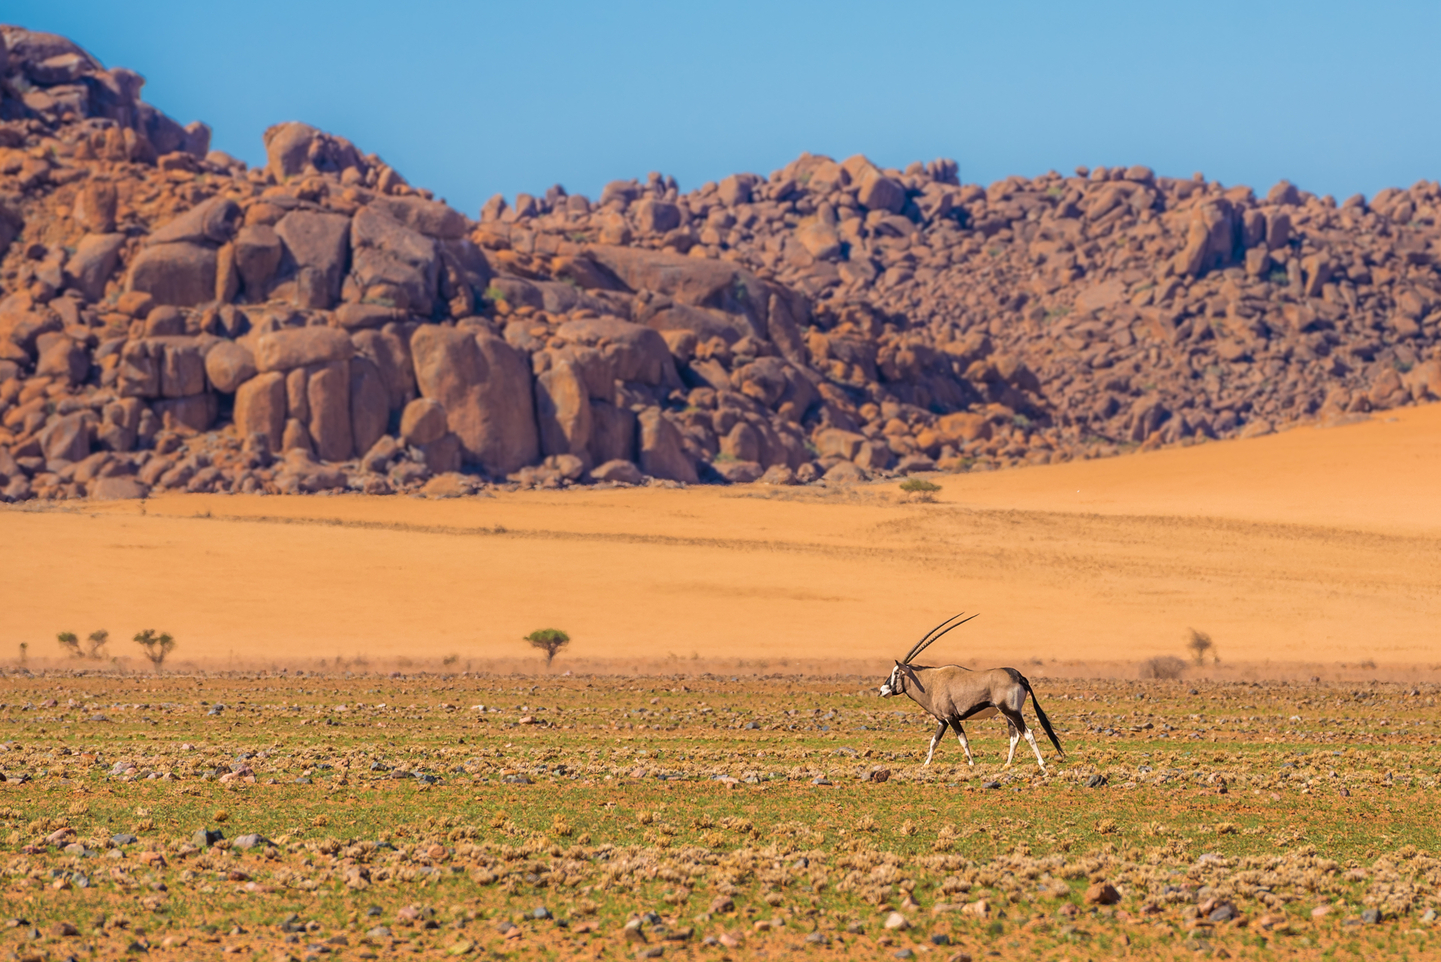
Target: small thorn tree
548 640
156 646
70 643
97 641
1199 643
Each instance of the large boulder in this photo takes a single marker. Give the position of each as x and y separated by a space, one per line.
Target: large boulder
423 422
229 365
125 487
389 350
296 347
293 148
485 387
369 403
66 438
213 222
612 433
392 263
562 410
63 358
328 398
662 449
182 367
138 373
182 274
193 413
316 246
258 250
634 351
93 262
429 217
260 408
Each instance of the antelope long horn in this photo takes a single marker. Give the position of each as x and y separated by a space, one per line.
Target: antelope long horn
938 637
916 648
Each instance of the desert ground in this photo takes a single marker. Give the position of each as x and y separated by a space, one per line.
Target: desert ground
1297 552
352 754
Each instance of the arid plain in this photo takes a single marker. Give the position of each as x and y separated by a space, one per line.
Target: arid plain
1317 546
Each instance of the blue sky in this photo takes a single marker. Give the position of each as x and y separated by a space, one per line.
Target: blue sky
471 99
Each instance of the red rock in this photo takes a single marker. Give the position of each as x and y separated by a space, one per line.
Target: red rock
328 397
562 409
369 403
879 192
296 347
391 262
260 407
622 471
229 365
63 358
315 248
485 388
662 452
182 274
257 253
93 263
121 488
423 422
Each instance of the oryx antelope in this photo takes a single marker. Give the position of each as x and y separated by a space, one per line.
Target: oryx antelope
953 694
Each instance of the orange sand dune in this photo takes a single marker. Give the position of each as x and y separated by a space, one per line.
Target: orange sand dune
1317 545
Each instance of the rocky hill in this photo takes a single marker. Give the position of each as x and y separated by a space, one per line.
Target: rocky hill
171 319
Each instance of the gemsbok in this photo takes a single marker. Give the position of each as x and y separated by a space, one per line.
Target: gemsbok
952 694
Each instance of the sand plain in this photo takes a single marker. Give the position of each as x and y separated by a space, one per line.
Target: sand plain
1315 546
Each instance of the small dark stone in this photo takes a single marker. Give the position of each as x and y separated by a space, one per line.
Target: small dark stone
991 784
541 912
1372 917
940 938
1097 781
124 838
1224 912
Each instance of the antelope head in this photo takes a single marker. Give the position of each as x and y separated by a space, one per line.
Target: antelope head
893 684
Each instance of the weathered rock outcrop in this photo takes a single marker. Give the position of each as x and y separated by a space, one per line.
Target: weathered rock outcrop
172 320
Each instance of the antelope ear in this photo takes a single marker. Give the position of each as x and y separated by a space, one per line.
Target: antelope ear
898 664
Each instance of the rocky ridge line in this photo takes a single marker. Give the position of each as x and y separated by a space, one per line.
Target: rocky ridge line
171 319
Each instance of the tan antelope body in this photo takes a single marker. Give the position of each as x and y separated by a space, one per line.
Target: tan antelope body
951 694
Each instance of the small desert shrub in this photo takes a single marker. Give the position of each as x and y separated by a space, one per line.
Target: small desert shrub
156 646
1199 642
548 640
1164 667
920 489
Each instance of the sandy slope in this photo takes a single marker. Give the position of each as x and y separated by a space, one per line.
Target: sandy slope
1314 545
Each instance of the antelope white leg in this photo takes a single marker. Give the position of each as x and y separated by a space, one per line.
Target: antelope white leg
1035 748
965 746
1015 737
935 740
